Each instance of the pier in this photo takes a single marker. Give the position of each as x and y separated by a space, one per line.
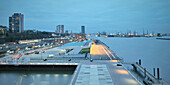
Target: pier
103 70
101 67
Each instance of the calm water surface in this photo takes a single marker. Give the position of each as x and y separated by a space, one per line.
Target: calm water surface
35 77
154 53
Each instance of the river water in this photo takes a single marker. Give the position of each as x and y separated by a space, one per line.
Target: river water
153 52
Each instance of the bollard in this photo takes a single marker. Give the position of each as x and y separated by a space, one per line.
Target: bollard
85 55
153 71
91 60
135 69
136 62
158 73
139 61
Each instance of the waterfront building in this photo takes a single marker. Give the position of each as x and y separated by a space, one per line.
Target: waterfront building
16 23
83 29
60 29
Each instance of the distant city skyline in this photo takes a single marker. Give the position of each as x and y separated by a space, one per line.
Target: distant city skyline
96 15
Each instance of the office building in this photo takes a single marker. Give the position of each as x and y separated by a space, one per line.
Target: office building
16 23
83 29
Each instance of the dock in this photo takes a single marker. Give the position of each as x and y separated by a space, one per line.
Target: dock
101 67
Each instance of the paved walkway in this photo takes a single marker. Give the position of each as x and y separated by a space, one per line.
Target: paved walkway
103 70
94 75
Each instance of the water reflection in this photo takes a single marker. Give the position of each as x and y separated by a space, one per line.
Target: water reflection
35 77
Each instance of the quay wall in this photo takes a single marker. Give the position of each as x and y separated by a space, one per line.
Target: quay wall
37 67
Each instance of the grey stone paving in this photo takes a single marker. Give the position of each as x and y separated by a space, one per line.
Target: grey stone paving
94 75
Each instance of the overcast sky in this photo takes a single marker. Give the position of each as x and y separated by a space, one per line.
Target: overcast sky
96 15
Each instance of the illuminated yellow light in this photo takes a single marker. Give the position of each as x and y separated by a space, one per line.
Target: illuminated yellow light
8 51
38 75
97 50
17 18
122 72
113 60
47 75
114 64
131 81
56 75
36 46
65 75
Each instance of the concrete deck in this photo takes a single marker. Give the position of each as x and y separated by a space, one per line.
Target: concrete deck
94 75
103 70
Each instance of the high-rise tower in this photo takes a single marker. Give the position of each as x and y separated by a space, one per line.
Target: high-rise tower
83 29
60 29
16 23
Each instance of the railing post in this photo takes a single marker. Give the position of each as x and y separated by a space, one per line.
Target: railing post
139 61
136 62
145 72
153 71
158 73
135 69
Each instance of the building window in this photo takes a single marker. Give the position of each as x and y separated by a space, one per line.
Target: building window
17 18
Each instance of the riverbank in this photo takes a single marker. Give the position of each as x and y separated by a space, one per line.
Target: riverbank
163 38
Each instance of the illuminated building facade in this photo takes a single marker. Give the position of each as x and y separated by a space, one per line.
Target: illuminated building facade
16 23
